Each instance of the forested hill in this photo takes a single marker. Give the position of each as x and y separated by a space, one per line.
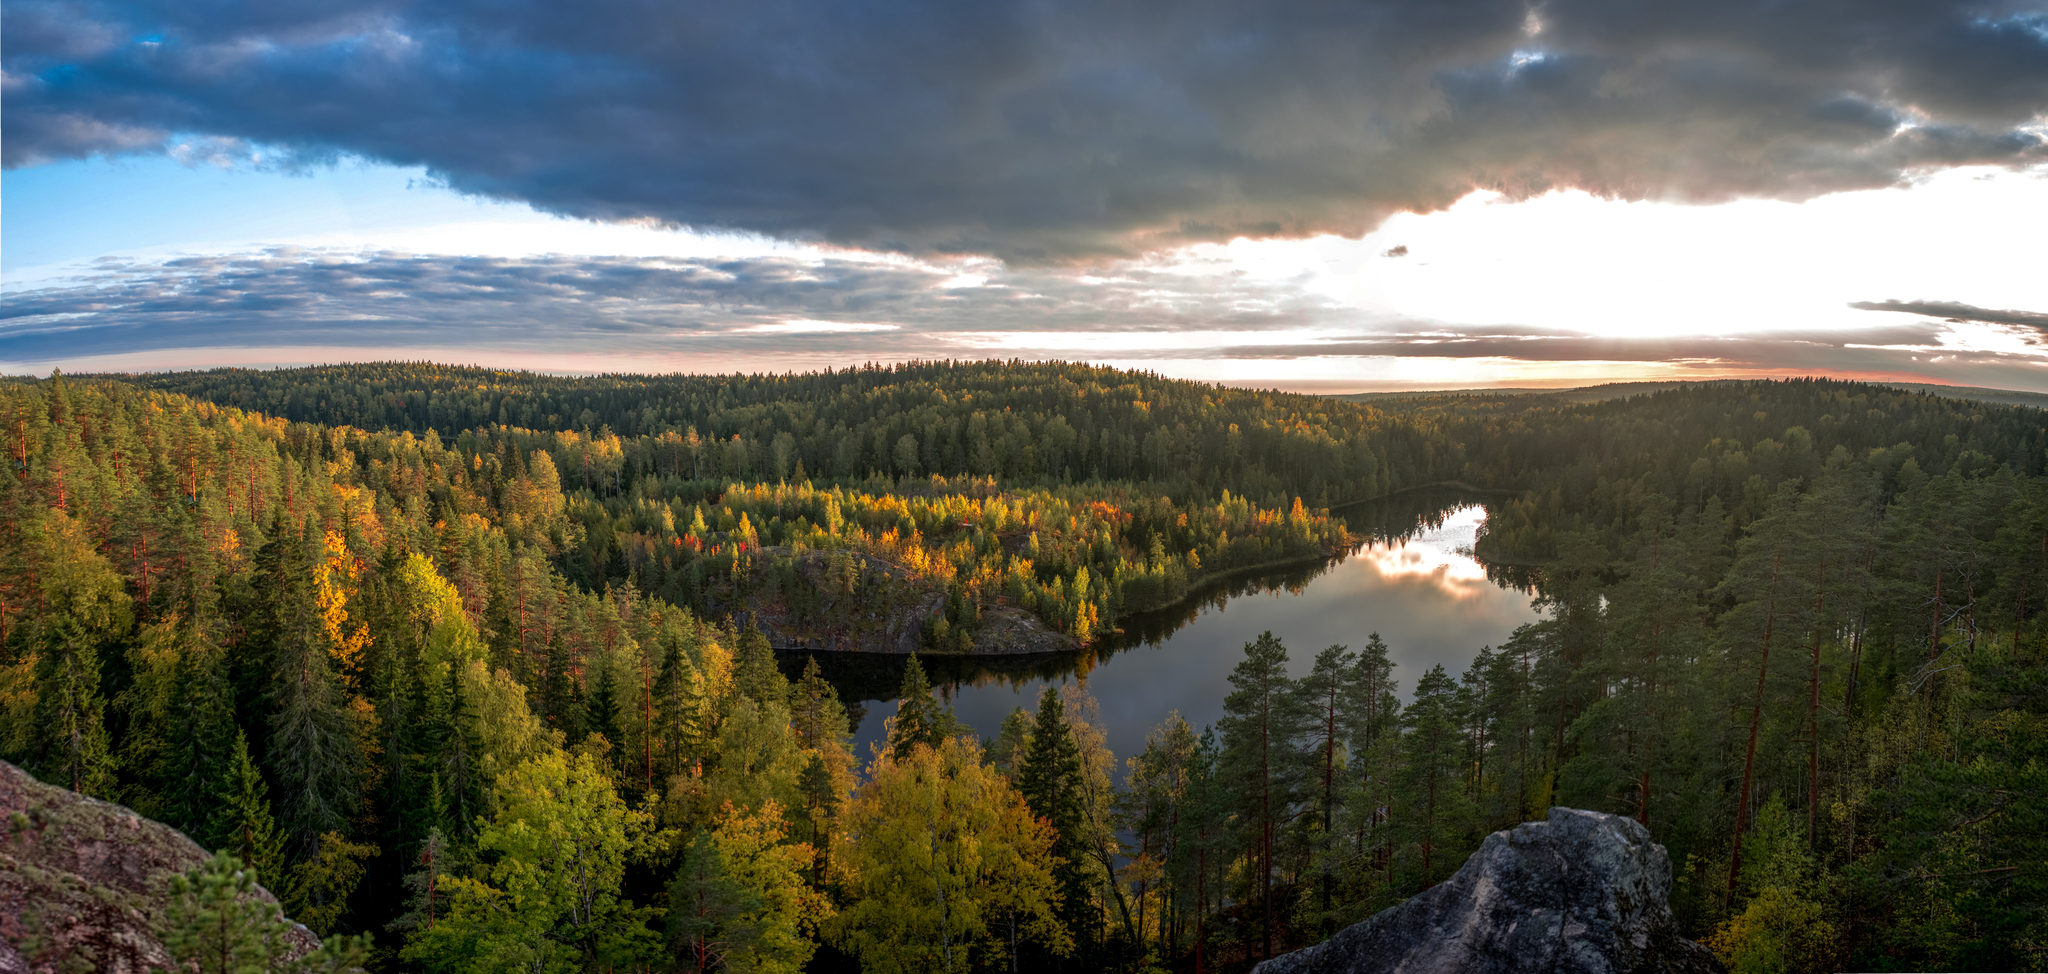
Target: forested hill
1040 422
1588 466
1027 421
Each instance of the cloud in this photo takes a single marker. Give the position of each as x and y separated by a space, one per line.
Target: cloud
1955 311
1052 131
780 312
288 296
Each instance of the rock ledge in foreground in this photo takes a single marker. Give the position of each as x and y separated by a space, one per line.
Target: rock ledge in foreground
1581 892
83 883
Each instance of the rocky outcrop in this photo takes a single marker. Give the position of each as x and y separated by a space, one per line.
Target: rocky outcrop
83 882
1580 892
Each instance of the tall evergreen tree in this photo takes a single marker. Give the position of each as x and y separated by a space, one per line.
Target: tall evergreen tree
1050 782
203 735
1262 761
559 696
755 672
816 714
601 710
313 751
1324 692
1432 806
1372 721
919 718
244 825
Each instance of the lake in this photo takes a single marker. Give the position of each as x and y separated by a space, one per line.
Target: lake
1415 582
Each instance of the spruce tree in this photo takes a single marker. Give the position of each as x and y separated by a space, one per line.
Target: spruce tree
919 718
679 708
560 695
203 739
816 714
407 732
75 750
312 753
601 709
457 767
755 672
821 796
1050 782
243 825
1011 743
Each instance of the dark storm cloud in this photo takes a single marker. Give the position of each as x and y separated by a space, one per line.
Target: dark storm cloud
1051 130
1955 311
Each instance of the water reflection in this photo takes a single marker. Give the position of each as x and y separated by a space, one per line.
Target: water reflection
1415 582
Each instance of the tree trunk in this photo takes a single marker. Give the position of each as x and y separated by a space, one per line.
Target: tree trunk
1756 716
1813 717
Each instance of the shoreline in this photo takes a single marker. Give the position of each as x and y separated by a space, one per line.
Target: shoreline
1196 589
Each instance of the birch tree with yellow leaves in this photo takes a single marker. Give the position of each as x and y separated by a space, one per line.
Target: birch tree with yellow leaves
942 861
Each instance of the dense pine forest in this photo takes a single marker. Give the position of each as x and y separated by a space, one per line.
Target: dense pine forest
488 668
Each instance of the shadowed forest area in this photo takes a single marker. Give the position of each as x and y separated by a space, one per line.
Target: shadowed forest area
480 666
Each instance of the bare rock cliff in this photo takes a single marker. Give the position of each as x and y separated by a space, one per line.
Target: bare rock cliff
1581 892
83 882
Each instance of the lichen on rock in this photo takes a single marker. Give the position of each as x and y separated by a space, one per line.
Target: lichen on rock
84 883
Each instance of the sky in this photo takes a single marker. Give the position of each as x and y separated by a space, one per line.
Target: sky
1382 194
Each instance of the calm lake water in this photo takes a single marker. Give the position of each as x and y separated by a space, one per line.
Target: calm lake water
1415 583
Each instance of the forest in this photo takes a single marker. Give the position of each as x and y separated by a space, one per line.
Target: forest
485 670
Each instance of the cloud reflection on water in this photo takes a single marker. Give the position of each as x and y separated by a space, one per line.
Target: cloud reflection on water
1426 596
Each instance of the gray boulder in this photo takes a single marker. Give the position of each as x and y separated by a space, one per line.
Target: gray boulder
1581 892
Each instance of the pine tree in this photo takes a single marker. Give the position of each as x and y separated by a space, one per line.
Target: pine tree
425 900
216 922
1262 763
1155 799
1372 716
1205 837
1323 695
1432 797
706 905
